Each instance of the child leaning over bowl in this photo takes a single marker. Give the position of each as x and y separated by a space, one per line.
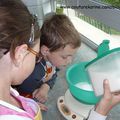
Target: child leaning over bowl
59 41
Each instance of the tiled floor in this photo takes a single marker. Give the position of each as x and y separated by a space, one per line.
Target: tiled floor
84 54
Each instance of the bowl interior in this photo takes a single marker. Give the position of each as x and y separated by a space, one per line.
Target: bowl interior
79 84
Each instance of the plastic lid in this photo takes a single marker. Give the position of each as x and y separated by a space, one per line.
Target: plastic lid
116 50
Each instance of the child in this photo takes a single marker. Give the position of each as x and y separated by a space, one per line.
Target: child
19 43
59 42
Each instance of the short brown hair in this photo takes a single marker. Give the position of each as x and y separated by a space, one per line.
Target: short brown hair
58 31
15 25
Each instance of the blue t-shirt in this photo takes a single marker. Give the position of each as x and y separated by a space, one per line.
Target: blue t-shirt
36 79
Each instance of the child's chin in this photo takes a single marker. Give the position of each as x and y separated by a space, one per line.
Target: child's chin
61 67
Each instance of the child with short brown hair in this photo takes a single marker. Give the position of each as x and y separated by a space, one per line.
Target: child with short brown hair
59 42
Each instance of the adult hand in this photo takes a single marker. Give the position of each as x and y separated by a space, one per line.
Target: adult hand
108 101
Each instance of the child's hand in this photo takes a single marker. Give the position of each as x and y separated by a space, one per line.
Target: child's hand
42 106
41 94
108 101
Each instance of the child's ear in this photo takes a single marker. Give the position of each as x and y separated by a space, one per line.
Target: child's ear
20 53
44 50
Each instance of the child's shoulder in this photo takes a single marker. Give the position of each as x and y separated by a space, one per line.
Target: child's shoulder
42 62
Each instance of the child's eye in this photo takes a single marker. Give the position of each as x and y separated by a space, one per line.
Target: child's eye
64 57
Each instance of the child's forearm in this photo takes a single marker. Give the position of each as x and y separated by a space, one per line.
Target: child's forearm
46 86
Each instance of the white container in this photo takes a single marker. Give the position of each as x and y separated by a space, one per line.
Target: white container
104 67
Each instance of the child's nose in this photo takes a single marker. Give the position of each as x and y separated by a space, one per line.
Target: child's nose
69 61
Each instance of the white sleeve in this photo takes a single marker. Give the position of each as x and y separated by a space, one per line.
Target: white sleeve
13 117
96 116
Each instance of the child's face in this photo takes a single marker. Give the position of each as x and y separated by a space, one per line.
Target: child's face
27 65
61 57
